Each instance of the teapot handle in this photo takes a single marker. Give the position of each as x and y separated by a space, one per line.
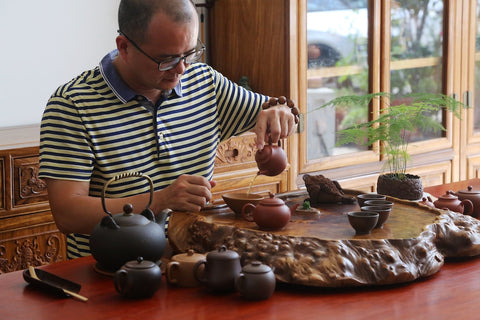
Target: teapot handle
200 273
171 272
247 211
123 176
467 207
122 282
240 282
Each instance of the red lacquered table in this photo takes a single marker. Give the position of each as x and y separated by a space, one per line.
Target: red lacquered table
452 293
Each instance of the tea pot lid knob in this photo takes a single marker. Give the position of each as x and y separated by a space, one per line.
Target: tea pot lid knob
128 208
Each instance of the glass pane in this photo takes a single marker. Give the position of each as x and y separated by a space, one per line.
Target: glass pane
337 65
477 73
416 52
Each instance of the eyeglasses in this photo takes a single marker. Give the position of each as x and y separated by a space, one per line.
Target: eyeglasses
172 62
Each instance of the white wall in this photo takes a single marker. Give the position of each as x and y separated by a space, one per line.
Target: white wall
43 45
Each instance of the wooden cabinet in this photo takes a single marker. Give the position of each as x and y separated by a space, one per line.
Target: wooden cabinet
267 42
28 235
252 38
466 84
447 62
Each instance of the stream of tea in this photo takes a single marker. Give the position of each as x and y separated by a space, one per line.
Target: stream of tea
251 184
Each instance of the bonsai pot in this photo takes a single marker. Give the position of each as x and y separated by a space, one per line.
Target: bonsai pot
408 188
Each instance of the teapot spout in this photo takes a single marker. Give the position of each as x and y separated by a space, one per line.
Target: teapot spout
294 208
162 216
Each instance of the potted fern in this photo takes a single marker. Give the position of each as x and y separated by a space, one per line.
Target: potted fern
393 129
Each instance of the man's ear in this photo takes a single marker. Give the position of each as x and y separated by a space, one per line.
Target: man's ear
122 46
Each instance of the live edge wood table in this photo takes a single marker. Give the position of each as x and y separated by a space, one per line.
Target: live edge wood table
451 293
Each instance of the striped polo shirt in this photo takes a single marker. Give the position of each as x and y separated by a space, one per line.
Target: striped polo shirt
95 128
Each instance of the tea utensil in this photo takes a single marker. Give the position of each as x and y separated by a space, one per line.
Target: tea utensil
33 274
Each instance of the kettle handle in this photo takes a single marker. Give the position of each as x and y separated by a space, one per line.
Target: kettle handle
123 176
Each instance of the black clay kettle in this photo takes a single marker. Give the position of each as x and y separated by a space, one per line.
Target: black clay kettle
123 237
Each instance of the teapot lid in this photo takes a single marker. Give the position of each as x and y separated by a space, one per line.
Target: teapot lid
449 195
256 267
469 191
129 219
140 264
222 254
271 201
189 256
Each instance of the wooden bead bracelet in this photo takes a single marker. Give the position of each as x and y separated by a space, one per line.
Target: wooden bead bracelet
282 100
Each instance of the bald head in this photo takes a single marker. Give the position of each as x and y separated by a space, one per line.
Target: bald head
134 16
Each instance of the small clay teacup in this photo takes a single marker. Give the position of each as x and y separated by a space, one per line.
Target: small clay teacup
383 214
361 198
380 203
363 221
237 200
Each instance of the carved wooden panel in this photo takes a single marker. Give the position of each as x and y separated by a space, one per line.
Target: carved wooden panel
2 184
28 188
18 253
236 152
28 234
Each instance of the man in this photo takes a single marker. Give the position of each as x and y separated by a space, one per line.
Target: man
148 107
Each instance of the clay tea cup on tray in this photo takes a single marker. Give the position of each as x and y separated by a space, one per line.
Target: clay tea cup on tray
380 203
361 198
236 200
383 214
363 221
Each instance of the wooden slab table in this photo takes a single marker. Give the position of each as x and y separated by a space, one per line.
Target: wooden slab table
452 293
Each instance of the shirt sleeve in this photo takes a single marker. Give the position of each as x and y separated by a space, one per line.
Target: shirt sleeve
238 107
65 151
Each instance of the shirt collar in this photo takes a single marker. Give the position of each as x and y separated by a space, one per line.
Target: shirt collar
115 82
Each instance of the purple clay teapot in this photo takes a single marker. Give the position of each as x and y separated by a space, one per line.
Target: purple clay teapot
256 281
271 160
123 237
219 270
270 213
450 201
472 195
138 278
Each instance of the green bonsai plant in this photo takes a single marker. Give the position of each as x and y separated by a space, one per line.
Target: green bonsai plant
394 127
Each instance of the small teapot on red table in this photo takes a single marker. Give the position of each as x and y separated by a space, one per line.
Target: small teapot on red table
450 201
270 213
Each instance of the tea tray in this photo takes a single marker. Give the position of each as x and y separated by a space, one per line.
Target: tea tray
321 249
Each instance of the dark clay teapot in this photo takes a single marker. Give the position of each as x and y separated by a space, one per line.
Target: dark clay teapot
271 160
125 236
270 213
138 279
220 270
472 195
451 202
256 281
